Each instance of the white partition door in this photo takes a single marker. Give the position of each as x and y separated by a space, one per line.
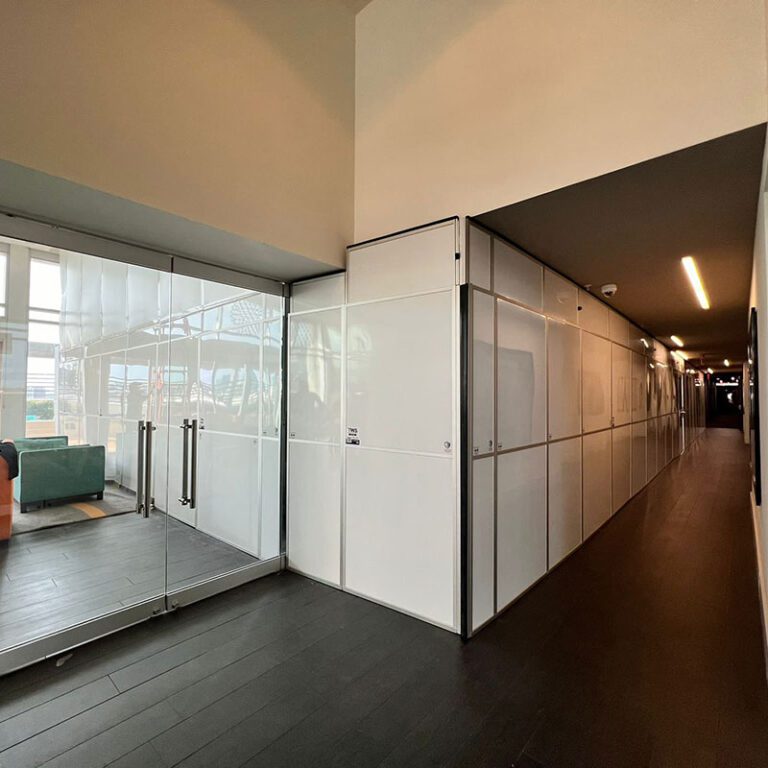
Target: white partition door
597 480
483 541
564 379
522 383
521 521
400 520
565 525
595 382
400 491
483 367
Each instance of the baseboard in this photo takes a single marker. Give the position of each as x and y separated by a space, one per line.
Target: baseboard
762 586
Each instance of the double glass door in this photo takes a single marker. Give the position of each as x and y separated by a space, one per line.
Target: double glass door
146 408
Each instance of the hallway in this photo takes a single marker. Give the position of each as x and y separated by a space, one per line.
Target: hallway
643 649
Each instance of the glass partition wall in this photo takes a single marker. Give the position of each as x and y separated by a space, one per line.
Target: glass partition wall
146 408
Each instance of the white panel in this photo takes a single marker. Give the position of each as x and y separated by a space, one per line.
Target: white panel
638 456
318 294
594 316
517 276
483 326
314 510
597 480
421 261
565 524
522 521
400 531
619 329
621 390
315 376
595 382
622 468
399 373
269 506
114 277
651 449
561 297
228 489
639 387
271 377
483 561
521 402
564 372
479 258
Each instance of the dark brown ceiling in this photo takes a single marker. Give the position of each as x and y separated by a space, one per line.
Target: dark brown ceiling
633 226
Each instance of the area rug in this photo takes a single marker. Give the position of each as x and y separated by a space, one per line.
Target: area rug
116 501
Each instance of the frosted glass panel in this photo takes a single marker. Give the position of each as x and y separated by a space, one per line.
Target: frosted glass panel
564 360
594 315
315 376
565 528
521 399
114 311
405 504
479 258
318 294
561 297
639 387
596 382
619 328
400 373
517 276
638 456
483 560
651 449
483 325
314 503
622 469
90 306
271 378
597 480
522 521
621 385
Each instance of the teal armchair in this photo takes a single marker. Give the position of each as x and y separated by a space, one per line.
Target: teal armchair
52 470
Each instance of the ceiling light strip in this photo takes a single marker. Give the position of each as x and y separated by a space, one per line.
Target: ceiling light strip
695 279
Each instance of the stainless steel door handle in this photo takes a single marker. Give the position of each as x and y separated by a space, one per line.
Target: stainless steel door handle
184 500
140 470
193 479
148 471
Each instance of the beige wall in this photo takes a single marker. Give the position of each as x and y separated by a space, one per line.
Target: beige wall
234 113
463 106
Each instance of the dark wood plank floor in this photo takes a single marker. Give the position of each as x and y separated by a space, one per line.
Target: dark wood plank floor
643 649
57 577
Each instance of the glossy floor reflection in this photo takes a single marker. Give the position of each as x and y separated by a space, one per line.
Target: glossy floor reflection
642 649
57 577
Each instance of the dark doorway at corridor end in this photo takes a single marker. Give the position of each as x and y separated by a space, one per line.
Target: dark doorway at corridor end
725 401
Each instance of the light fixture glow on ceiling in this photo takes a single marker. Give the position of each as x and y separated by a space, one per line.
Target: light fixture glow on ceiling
681 355
695 279
726 362
709 370
677 340
645 343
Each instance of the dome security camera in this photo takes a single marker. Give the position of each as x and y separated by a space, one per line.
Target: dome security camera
609 290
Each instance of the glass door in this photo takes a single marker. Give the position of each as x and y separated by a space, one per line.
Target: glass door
223 380
82 344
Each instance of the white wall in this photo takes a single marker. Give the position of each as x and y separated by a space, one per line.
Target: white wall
231 113
463 106
759 299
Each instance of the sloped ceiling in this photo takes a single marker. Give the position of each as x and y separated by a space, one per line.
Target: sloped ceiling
632 227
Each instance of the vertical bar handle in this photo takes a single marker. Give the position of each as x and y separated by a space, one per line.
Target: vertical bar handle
148 471
140 471
193 480
184 500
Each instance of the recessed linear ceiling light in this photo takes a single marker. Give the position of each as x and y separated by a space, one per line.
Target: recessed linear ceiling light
677 340
645 343
695 279
726 362
681 355
710 371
